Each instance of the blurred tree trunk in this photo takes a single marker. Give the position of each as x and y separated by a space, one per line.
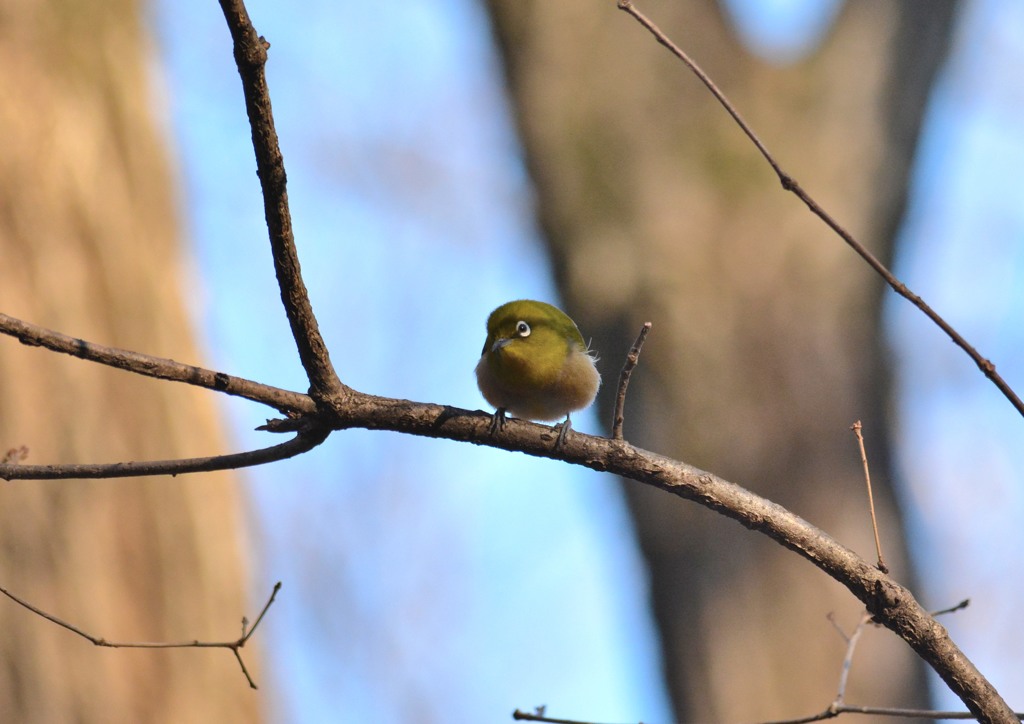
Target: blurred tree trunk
766 342
89 245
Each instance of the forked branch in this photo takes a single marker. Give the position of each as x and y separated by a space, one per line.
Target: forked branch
234 646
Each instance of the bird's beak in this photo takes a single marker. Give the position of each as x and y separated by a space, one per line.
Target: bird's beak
499 343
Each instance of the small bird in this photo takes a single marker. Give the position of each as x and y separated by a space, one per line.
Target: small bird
535 365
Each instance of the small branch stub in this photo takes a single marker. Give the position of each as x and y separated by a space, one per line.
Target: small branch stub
627 370
15 455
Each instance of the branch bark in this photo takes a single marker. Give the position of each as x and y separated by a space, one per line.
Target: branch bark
303 442
160 368
892 605
250 50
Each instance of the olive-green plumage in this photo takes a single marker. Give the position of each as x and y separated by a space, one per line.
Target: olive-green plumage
535 363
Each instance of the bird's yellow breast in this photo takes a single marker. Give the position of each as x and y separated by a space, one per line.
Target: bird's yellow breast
542 377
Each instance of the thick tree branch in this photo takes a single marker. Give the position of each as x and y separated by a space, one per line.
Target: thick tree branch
790 184
250 52
892 605
33 335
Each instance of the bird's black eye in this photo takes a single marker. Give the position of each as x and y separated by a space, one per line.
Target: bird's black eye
522 329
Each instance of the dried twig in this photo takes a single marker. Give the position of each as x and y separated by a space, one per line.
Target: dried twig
839 706
627 370
894 712
833 710
953 609
856 427
851 647
540 715
235 646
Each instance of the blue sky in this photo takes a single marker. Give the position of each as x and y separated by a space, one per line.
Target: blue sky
431 581
960 444
424 580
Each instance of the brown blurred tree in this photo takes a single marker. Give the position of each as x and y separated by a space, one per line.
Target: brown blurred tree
766 343
89 244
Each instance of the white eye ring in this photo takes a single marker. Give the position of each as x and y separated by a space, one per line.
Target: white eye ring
522 329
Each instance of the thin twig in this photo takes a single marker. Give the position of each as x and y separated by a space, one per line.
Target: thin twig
303 442
539 715
839 629
159 367
896 712
627 370
235 646
704 78
838 705
856 427
851 647
250 50
830 713
953 609
790 184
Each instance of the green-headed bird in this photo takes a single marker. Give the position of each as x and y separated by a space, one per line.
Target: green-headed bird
535 365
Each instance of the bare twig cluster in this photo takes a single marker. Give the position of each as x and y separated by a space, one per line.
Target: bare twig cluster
836 707
234 646
330 405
